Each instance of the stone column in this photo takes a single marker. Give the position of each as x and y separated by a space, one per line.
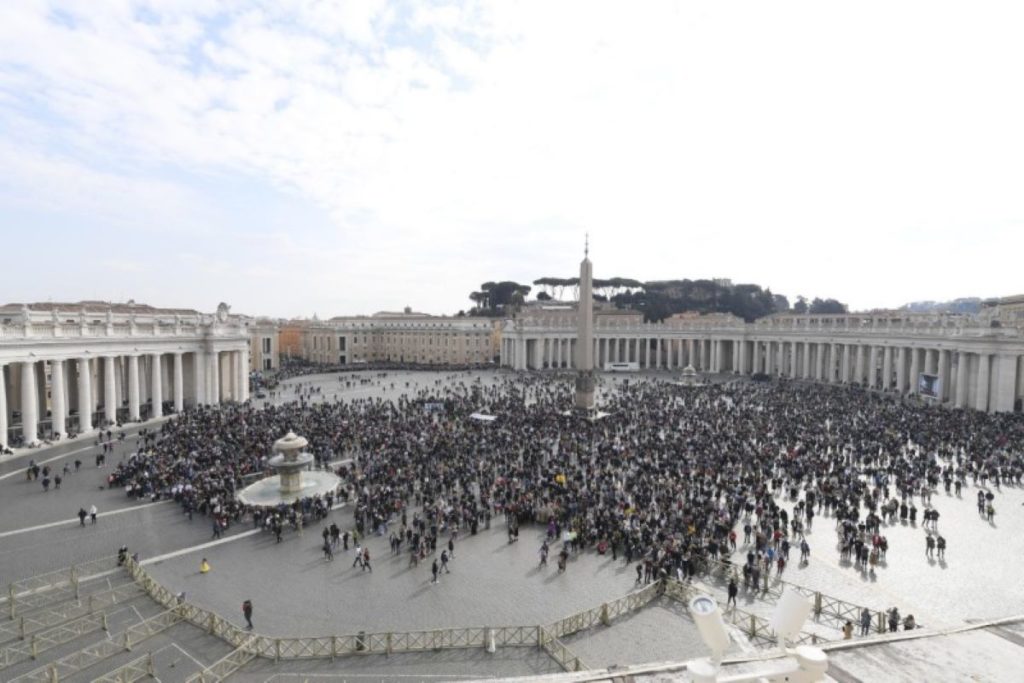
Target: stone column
901 369
887 368
962 361
858 362
133 388
844 374
1005 383
873 367
794 363
179 384
243 375
915 369
3 408
943 375
981 389
157 389
109 390
213 369
29 404
84 395
58 407
199 373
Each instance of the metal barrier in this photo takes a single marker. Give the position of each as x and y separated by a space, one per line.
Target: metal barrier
756 628
135 670
97 652
836 611
43 590
32 622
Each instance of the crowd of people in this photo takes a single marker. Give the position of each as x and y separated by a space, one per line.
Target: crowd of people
668 479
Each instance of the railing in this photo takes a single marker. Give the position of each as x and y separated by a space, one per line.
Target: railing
558 651
27 594
834 610
249 645
135 670
27 624
756 628
224 667
97 652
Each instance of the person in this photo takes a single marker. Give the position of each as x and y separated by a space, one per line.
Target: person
894 620
940 544
733 591
328 550
865 622
82 514
848 630
247 613
444 562
366 560
92 514
359 557
204 567
909 624
434 569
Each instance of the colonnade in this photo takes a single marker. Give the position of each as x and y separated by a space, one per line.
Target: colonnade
546 352
50 397
983 376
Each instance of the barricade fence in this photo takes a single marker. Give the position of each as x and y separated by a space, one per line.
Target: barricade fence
833 611
42 590
248 645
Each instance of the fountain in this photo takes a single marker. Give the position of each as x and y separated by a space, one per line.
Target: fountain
290 481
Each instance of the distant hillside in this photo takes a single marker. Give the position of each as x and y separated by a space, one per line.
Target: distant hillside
970 304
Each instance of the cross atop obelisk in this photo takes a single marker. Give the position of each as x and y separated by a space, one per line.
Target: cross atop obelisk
585 334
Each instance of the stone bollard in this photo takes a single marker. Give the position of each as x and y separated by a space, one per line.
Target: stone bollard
604 615
489 640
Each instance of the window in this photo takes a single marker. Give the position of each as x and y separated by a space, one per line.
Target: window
266 345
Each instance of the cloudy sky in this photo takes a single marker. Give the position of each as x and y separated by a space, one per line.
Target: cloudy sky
343 157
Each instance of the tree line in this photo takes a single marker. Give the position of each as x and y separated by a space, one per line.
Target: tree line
657 300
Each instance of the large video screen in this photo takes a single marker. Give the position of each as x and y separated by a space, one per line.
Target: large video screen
929 385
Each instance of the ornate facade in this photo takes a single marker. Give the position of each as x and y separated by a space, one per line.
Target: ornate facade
74 367
979 360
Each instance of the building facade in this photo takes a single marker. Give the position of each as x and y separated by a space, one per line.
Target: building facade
399 338
264 345
979 361
74 367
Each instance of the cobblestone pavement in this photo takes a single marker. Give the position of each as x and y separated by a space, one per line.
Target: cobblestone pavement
296 592
661 631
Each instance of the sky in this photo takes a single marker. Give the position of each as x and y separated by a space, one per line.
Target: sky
301 157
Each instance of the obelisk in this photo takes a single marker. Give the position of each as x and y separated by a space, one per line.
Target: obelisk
585 336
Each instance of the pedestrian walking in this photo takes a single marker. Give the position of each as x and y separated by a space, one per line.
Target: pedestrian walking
359 557
247 613
92 514
82 514
366 560
434 570
865 622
